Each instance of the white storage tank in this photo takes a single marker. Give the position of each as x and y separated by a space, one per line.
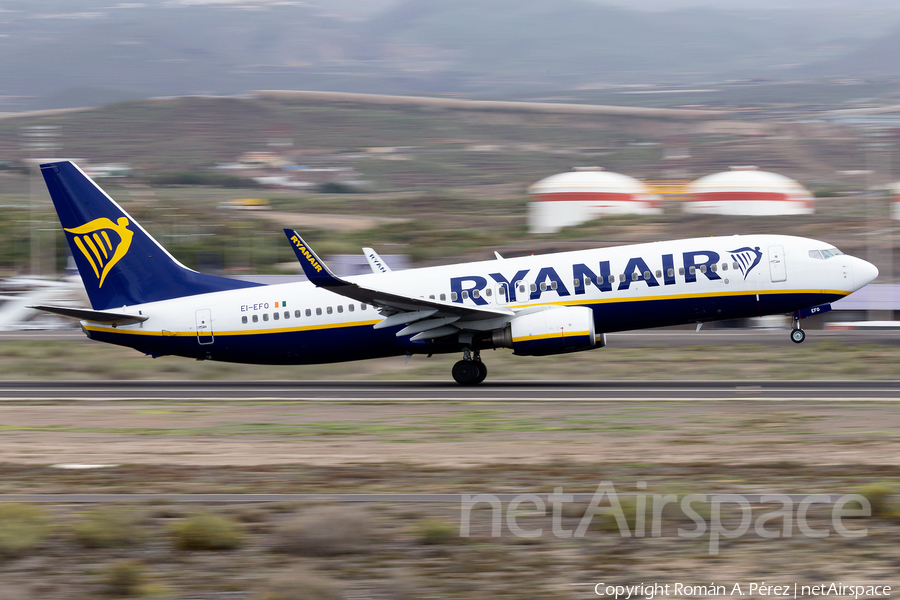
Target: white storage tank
747 191
584 194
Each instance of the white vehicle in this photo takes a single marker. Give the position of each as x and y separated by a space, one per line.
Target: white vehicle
142 297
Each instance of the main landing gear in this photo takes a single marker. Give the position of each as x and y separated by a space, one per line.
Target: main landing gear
470 370
797 334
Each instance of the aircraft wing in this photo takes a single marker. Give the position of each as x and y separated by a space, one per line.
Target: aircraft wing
398 308
98 316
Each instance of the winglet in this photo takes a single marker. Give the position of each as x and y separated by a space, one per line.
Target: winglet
375 261
313 267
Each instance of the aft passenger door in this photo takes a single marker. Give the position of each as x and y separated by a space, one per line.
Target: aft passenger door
204 326
777 268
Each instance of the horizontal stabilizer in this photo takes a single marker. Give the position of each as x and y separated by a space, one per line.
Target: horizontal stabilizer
97 316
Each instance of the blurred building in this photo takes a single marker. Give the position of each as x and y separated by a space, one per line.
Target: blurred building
747 191
583 194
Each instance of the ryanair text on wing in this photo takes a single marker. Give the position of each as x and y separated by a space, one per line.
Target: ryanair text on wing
306 253
98 248
700 262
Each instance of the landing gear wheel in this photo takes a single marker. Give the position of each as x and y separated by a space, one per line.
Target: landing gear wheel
482 372
468 372
798 335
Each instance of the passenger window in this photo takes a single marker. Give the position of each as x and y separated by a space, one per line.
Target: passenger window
724 266
465 295
647 275
502 290
431 297
265 316
681 270
692 270
553 285
453 296
476 294
297 314
543 287
350 307
308 312
533 287
340 308
287 314
622 277
671 272
329 310
244 320
487 293
635 276
319 311
612 278
735 265
255 318
443 297
276 316
521 289
578 282
362 306
703 268
658 273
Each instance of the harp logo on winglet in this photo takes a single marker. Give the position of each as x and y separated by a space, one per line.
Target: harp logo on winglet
306 253
101 249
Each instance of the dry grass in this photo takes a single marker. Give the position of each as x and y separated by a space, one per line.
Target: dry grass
326 531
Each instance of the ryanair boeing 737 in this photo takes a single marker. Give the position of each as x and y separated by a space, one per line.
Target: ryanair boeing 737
142 297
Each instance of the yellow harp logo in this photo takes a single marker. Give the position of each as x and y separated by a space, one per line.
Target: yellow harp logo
100 251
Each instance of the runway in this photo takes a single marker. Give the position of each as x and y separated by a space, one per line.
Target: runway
441 391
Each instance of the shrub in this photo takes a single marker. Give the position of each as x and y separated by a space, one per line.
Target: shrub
124 578
326 530
207 532
878 495
436 532
108 528
22 527
302 586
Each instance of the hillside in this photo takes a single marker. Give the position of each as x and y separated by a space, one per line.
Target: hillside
62 54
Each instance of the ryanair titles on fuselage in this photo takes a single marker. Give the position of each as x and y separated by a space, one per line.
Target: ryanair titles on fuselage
702 262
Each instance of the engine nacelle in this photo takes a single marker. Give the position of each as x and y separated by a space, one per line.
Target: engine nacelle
552 331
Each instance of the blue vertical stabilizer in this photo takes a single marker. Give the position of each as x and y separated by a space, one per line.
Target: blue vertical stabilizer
119 262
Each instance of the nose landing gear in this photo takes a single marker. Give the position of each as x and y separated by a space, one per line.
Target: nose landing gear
470 370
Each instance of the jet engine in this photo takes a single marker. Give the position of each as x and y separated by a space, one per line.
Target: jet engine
551 331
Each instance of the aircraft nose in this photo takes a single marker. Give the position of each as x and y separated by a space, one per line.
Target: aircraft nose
864 273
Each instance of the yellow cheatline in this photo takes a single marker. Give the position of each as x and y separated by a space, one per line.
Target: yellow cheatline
224 333
680 297
547 336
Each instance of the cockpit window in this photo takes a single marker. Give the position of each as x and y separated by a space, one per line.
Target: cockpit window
824 254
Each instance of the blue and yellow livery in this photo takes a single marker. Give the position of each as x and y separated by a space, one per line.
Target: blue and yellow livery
143 298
